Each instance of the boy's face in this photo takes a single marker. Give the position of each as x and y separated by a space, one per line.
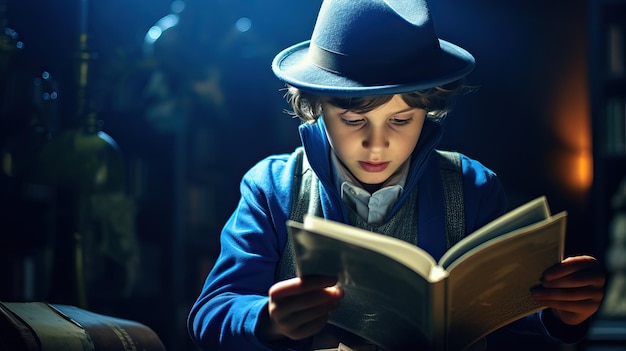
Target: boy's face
375 144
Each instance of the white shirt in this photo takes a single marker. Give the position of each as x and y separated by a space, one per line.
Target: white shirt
371 207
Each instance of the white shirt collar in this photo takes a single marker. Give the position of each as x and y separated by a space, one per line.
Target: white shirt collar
371 207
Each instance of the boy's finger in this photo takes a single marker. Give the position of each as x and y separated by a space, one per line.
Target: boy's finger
298 285
580 294
572 265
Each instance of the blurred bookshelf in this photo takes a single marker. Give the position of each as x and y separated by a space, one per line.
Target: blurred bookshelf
607 89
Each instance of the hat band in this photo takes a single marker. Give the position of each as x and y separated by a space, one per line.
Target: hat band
375 72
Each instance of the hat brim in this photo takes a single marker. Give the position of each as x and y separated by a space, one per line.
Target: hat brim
293 67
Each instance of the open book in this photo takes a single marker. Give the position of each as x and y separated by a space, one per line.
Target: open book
398 297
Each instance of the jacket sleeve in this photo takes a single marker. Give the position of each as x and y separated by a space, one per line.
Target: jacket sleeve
544 324
225 315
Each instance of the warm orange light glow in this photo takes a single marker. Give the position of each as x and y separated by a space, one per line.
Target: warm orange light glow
572 126
585 169
573 169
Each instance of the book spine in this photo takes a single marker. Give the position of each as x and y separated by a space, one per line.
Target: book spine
615 71
615 137
615 49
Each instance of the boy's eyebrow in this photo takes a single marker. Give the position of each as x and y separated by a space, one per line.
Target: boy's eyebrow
403 110
389 114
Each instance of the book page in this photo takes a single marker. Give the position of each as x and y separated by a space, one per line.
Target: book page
407 254
529 213
490 286
385 301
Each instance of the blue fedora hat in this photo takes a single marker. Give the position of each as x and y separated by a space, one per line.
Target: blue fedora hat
372 47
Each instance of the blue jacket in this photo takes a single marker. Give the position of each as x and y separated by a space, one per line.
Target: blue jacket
225 314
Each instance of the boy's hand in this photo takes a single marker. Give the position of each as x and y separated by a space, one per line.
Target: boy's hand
573 289
299 307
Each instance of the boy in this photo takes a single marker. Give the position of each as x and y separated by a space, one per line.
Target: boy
371 85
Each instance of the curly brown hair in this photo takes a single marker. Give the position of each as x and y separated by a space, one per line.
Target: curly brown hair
437 101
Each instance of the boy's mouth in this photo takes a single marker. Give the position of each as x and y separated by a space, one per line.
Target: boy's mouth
373 166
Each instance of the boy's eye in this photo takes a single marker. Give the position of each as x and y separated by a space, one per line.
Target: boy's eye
400 121
352 122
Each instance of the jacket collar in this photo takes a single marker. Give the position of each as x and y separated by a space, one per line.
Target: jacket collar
318 151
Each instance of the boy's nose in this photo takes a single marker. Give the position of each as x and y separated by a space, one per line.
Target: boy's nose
376 139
